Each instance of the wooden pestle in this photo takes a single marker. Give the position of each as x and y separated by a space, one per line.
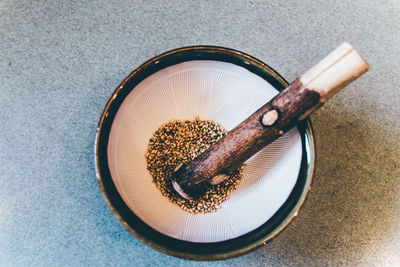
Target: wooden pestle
295 103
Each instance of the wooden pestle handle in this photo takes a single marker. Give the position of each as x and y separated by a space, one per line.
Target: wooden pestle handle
305 95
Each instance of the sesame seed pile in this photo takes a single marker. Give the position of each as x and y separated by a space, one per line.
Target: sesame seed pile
178 142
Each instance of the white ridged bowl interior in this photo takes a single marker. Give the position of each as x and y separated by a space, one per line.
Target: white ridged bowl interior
218 91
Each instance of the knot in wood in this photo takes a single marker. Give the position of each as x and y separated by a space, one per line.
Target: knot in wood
218 179
269 118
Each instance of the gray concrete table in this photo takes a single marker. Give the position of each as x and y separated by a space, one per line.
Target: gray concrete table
60 61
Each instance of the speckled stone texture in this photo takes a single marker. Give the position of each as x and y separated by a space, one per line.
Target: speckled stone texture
60 61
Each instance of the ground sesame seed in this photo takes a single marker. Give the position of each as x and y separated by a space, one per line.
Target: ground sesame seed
178 142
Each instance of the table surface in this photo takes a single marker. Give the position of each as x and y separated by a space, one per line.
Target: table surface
61 60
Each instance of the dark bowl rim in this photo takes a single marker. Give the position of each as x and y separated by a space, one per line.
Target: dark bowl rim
162 242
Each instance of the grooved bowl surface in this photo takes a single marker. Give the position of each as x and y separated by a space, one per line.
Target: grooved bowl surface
227 94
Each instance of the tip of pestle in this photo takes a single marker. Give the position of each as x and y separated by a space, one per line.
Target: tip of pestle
179 190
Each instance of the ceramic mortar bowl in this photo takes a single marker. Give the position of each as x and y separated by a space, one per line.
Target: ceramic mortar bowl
219 84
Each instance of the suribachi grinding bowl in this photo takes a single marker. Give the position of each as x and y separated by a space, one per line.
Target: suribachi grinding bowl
219 84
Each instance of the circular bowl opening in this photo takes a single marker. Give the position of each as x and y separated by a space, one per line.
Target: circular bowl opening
217 84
